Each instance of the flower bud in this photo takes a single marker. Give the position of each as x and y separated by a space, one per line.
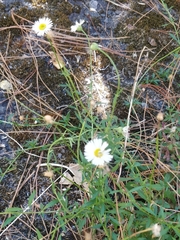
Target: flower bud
160 116
48 119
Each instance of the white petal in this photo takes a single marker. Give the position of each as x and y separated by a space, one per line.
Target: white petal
73 28
97 142
104 145
98 161
81 22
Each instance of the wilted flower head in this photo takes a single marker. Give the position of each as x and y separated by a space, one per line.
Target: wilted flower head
95 151
77 26
156 230
42 26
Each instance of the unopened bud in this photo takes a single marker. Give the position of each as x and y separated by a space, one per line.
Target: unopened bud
48 119
160 116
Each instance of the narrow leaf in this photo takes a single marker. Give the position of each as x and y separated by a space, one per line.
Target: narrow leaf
14 210
31 198
8 221
39 235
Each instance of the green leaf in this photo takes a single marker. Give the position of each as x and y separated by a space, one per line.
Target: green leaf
81 223
170 195
173 37
31 198
142 195
136 189
30 144
51 204
177 230
148 210
114 221
8 221
39 235
14 210
157 187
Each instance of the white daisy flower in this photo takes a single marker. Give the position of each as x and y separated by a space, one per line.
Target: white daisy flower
42 26
95 151
156 230
77 26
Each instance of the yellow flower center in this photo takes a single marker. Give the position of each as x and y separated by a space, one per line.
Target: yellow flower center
98 153
42 26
